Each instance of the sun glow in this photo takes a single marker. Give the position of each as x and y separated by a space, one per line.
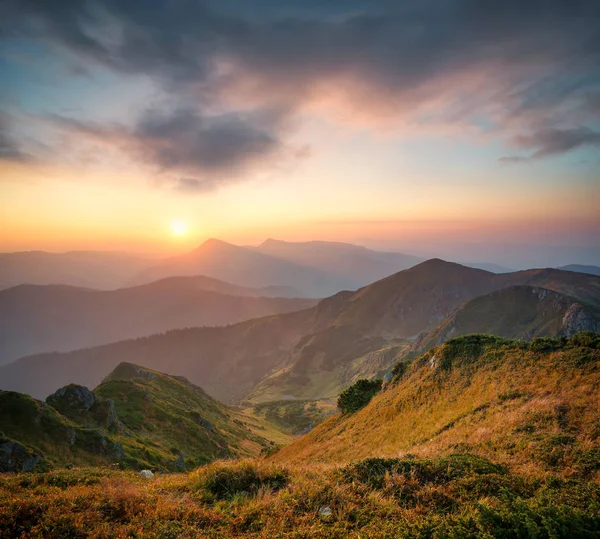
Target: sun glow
179 228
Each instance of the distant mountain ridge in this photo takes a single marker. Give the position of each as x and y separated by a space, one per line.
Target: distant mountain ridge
35 319
308 354
243 267
90 269
580 268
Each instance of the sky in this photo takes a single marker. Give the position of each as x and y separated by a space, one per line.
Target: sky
455 128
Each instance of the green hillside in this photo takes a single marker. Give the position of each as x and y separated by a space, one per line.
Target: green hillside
137 418
517 312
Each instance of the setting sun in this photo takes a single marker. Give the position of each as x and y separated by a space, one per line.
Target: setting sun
178 228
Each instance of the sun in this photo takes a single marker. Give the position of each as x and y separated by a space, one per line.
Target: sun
178 228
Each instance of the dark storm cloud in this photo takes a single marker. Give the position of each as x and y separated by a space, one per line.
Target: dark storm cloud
517 64
216 147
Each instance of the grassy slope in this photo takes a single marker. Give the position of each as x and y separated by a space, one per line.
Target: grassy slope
531 409
170 412
161 417
516 403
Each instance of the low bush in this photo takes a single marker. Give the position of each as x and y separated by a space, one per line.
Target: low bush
357 396
225 480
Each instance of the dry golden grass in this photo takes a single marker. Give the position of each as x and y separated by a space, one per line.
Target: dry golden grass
503 404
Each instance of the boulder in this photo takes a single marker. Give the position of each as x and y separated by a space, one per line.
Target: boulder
72 401
147 474
15 457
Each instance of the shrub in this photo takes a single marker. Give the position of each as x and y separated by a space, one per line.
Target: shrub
373 471
587 339
226 480
357 396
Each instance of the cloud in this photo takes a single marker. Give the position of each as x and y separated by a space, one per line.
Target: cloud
243 71
217 148
549 142
194 185
186 140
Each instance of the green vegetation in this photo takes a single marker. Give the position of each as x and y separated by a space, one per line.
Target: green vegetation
137 418
358 395
224 481
295 417
459 496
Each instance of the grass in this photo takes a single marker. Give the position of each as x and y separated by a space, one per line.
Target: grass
459 496
162 419
294 416
531 406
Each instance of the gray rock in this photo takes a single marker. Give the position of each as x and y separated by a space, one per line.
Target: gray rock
72 400
325 512
199 420
147 474
577 319
179 462
15 457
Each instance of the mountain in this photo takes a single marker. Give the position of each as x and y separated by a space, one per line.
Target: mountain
356 265
580 268
524 405
244 267
90 269
305 355
481 437
35 319
518 312
136 417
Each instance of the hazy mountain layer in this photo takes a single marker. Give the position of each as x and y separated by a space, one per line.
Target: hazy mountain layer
92 269
310 354
35 319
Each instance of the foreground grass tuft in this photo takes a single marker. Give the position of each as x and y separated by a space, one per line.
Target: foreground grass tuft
225 480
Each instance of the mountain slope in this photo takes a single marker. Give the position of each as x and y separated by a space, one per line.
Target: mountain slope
35 319
309 354
136 417
518 312
244 267
357 265
93 269
528 405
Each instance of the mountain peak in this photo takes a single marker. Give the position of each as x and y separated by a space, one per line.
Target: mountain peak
213 244
439 264
128 371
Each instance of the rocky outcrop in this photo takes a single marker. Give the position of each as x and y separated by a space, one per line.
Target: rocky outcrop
72 401
577 319
199 420
15 457
82 405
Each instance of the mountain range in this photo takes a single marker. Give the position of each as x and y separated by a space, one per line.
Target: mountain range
36 318
314 353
